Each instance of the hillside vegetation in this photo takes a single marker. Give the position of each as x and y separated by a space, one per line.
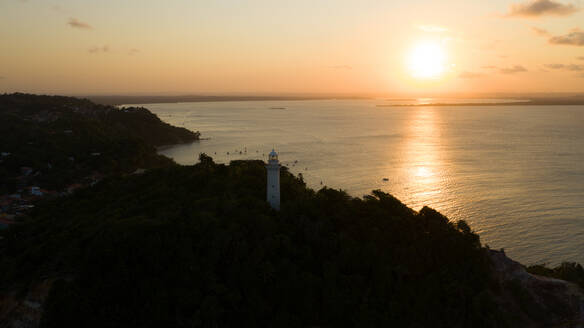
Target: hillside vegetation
64 139
199 246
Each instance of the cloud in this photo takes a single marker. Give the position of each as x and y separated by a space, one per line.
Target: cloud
133 51
580 58
470 75
512 70
540 31
574 38
536 8
432 28
97 50
554 66
574 68
75 23
569 67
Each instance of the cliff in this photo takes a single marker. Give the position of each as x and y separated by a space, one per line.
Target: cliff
538 301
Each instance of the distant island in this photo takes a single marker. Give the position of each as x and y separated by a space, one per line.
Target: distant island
154 244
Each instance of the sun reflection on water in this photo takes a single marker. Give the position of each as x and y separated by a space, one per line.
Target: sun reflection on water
423 173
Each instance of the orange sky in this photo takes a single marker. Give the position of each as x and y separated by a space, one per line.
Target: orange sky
340 46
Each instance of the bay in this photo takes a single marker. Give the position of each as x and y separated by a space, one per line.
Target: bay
514 173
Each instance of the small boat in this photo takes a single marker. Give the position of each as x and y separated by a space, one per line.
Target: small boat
385 179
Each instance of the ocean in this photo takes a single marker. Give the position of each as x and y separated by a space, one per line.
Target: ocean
514 173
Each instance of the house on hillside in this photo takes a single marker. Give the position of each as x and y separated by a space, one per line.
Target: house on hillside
36 191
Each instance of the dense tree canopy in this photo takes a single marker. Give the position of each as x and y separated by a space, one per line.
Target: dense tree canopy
199 246
65 139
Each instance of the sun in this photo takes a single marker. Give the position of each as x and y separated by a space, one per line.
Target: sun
427 60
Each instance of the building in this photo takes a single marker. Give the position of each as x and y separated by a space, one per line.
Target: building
36 191
273 190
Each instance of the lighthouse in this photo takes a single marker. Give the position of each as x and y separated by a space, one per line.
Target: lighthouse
273 190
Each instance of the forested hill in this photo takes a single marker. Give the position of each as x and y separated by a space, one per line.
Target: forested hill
53 141
136 122
185 246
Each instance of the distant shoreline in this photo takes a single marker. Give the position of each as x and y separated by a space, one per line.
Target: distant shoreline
123 100
457 104
531 102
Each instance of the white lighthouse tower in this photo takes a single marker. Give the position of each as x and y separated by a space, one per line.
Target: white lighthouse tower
273 168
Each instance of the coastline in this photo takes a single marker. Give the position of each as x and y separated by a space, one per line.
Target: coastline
124 100
143 100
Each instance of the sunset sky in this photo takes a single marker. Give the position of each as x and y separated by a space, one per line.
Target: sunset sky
336 46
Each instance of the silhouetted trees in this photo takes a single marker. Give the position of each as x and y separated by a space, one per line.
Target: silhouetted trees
199 246
65 139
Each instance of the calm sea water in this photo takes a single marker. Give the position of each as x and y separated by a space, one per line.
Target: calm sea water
515 173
